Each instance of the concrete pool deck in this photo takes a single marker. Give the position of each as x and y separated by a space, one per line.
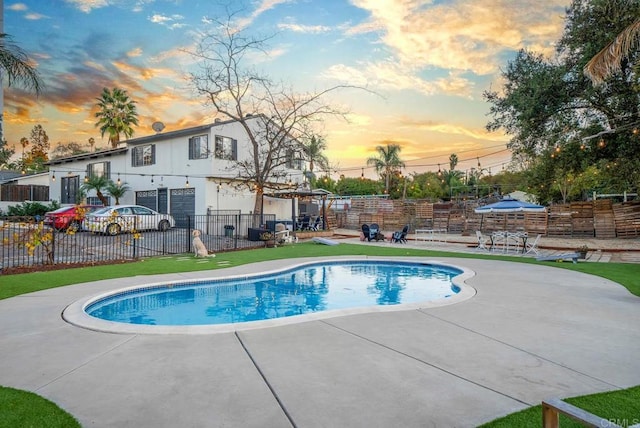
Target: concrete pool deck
530 333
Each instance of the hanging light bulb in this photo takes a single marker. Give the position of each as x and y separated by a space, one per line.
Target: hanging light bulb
53 177
362 175
187 183
151 179
118 182
439 171
478 158
86 179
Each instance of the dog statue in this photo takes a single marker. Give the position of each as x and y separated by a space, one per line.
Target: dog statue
198 246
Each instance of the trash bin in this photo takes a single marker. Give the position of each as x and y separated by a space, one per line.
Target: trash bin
228 230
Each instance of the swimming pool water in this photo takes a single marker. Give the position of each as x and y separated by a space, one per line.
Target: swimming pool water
306 289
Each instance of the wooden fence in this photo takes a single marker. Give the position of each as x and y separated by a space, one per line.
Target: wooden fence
598 219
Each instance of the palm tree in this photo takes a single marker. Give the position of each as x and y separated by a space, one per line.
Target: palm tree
16 65
117 113
117 190
609 59
97 183
387 162
313 153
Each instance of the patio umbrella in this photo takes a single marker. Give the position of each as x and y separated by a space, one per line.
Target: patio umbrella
509 205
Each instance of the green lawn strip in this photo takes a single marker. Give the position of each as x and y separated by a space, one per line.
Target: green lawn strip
26 409
621 407
622 273
13 285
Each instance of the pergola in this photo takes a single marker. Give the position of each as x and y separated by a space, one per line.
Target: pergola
296 194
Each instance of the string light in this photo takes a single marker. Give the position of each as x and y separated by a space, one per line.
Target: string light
53 177
118 182
86 179
152 179
187 183
362 175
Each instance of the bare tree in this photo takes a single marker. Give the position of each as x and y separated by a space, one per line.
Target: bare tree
275 118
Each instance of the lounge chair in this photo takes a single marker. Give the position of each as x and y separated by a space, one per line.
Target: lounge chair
568 257
400 236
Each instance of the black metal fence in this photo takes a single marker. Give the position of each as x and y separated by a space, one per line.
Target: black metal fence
27 242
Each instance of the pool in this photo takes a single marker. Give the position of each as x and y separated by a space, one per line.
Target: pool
301 292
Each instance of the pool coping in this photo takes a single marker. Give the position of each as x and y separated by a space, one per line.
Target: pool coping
76 315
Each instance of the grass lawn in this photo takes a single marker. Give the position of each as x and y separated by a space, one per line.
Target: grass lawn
26 409
617 404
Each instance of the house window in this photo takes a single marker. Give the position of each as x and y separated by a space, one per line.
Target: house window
94 200
226 148
199 147
143 155
99 169
294 160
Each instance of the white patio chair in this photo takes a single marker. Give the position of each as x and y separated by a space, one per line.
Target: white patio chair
482 240
499 241
532 247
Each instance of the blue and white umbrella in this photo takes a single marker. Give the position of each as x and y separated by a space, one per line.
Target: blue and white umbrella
509 205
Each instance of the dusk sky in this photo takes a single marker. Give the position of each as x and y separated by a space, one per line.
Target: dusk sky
428 62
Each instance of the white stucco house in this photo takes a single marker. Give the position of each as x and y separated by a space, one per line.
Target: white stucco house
184 172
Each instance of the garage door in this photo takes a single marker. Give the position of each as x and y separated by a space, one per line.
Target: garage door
183 204
146 198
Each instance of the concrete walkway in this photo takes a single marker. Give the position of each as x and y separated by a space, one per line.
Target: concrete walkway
530 333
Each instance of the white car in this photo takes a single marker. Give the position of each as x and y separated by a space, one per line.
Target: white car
126 218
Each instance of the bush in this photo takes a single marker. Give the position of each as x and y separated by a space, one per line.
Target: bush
32 209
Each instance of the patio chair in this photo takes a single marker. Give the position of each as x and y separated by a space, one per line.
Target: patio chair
532 247
400 236
482 241
374 233
316 224
366 231
304 224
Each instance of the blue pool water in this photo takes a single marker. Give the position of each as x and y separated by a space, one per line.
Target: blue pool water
306 289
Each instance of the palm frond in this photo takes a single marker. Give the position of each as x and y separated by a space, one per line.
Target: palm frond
608 60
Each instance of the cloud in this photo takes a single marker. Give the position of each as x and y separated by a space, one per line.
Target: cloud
171 22
134 52
391 76
262 7
299 28
87 6
34 16
18 7
461 35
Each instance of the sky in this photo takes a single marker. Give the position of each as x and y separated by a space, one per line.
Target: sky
425 63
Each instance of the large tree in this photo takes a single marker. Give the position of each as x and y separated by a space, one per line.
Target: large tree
313 150
387 162
276 119
116 115
557 120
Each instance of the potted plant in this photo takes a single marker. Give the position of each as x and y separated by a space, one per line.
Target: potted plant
582 251
267 237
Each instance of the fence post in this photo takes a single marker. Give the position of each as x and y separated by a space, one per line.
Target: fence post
53 245
188 234
135 228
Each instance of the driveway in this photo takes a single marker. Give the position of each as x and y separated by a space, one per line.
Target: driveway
531 332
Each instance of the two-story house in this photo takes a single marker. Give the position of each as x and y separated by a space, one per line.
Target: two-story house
184 172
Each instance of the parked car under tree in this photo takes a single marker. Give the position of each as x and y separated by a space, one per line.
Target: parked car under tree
116 219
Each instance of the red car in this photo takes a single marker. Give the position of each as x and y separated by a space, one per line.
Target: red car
70 217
